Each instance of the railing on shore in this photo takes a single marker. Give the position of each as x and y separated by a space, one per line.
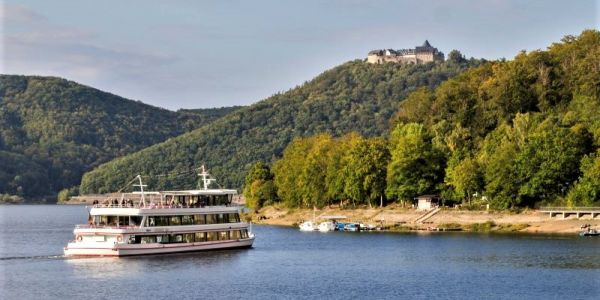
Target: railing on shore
564 208
565 212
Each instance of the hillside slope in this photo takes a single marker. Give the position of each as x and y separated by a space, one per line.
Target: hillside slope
52 130
355 96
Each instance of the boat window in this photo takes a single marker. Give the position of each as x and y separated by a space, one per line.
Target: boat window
211 219
200 219
235 235
163 239
187 220
203 200
221 218
112 220
234 218
147 239
188 237
176 238
223 235
123 220
175 220
200 236
211 236
162 221
135 220
244 233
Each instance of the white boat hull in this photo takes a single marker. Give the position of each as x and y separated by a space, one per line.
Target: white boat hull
308 226
79 249
326 226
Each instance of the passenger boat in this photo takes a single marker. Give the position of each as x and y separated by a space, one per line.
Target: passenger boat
162 222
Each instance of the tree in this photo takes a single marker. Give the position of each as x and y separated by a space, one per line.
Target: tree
366 171
456 57
259 187
466 178
548 162
415 166
586 191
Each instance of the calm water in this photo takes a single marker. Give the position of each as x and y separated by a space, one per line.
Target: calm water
288 264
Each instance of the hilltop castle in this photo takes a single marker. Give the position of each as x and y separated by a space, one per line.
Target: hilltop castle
418 55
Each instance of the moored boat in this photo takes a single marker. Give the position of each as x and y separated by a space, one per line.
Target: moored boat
326 226
589 232
308 226
162 222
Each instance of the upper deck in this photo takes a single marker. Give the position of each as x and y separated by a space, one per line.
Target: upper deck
157 210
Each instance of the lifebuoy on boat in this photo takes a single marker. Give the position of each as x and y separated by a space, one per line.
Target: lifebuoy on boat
79 238
119 238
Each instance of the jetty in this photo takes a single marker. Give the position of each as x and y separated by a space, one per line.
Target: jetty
565 212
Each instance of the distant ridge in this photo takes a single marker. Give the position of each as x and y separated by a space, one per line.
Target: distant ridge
52 130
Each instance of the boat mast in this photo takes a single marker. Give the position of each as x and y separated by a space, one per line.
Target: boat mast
141 185
206 180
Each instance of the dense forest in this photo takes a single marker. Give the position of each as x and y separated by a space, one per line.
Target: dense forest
518 133
355 96
53 130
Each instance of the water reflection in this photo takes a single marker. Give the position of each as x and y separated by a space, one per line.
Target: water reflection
136 266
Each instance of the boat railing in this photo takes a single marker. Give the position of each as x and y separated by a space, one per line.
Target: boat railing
155 206
92 226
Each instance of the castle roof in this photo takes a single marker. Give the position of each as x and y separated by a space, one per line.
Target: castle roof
425 48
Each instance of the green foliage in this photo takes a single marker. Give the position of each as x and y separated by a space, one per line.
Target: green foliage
415 166
13 199
366 171
65 194
586 191
466 178
56 130
356 96
320 170
515 129
259 187
549 161
518 132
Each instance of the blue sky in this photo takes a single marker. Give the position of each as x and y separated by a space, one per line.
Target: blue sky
196 54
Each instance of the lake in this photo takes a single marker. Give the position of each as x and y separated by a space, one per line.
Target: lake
288 264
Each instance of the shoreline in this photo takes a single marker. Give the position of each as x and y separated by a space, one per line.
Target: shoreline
395 218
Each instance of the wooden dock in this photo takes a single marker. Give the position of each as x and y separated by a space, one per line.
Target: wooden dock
565 212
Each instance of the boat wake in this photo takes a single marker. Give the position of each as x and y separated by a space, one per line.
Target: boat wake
33 257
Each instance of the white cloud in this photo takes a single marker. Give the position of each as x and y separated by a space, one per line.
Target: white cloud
34 45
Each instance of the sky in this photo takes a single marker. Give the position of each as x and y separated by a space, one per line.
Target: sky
199 54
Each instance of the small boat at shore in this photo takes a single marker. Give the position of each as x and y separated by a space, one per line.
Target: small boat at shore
352 227
589 232
326 226
308 226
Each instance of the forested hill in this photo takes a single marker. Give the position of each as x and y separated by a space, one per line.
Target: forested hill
355 96
512 133
53 130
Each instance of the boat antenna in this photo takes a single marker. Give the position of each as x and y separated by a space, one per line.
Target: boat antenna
206 180
141 185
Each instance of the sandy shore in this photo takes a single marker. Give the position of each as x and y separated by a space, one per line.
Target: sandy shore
394 215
